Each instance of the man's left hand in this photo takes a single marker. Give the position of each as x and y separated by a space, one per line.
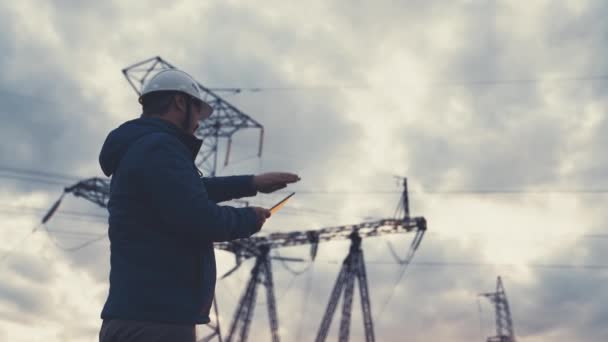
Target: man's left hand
273 181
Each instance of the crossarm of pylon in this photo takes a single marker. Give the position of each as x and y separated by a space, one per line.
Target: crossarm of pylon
299 238
95 190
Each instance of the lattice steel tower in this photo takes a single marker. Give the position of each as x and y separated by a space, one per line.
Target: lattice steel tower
223 123
504 324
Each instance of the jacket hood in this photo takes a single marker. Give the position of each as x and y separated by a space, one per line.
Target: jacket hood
120 139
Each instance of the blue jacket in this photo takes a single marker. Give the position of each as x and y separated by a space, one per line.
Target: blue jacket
163 222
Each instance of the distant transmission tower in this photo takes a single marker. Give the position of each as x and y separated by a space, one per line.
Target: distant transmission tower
504 324
223 123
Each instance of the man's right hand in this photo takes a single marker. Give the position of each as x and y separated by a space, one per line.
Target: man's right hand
262 214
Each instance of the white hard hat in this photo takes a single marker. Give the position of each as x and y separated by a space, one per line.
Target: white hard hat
172 80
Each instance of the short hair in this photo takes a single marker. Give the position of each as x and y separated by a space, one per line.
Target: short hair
157 103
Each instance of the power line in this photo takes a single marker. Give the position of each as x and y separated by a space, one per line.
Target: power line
36 176
480 264
72 215
291 270
44 220
19 171
493 235
402 270
289 286
19 243
599 191
599 267
514 191
62 212
237 90
76 247
74 233
53 211
91 217
55 179
26 210
32 179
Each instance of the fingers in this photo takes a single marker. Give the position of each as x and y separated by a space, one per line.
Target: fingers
289 177
284 177
274 188
262 214
273 181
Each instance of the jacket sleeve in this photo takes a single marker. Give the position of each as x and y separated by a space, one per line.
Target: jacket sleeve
221 189
172 185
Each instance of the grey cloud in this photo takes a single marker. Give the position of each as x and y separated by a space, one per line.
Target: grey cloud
91 257
593 169
515 138
79 333
23 303
46 125
525 154
30 268
509 141
565 303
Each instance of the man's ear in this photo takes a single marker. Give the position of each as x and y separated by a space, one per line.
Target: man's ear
180 102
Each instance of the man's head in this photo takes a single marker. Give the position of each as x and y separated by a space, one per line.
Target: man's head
174 96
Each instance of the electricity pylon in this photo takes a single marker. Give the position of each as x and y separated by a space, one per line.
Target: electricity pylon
504 323
223 123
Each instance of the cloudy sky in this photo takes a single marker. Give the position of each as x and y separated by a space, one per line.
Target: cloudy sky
493 109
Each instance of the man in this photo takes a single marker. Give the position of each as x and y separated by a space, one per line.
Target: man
164 217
